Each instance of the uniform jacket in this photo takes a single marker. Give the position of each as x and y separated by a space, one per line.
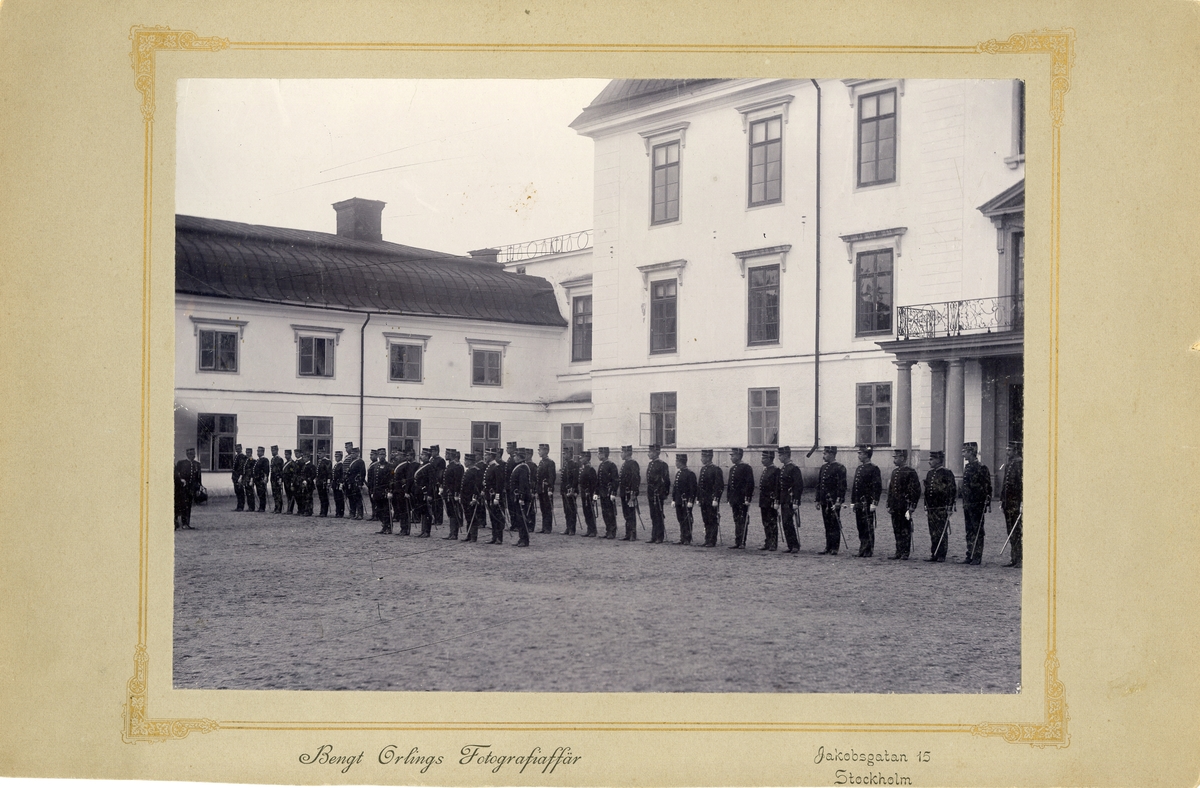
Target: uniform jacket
904 489
684 489
424 481
518 484
262 469
606 478
791 484
324 471
570 478
494 480
289 474
239 466
339 474
868 484
382 481
630 482
439 465
470 491
740 490
711 483
308 472
276 469
356 471
588 481
547 474
658 480
248 471
372 472
452 480
187 475
509 466
831 484
768 487
1010 489
940 488
401 484
976 483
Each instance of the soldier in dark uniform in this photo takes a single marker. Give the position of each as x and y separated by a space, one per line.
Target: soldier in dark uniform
710 486
338 479
439 465
470 497
791 492
262 471
903 494
277 479
531 506
589 492
569 490
372 469
606 488
739 492
658 487
940 492
547 475
309 476
187 484
424 491
683 493
248 479
405 485
1010 500
864 496
381 485
520 487
768 501
831 494
495 494
356 471
239 467
323 476
289 480
629 485
977 499
452 481
510 504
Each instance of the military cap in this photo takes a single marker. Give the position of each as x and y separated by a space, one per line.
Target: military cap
511 444
276 448
602 450
492 450
972 445
626 448
768 454
383 451
237 446
469 457
567 450
937 455
337 454
349 444
706 452
901 452
287 451
545 446
681 458
831 448
427 450
654 447
262 448
784 451
520 452
865 448
585 454
434 447
736 450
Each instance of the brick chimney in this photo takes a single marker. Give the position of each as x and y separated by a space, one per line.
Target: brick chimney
485 255
359 219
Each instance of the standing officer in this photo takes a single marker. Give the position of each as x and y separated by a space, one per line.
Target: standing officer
262 471
606 488
381 483
339 479
791 491
187 484
569 489
739 493
452 481
710 486
495 492
355 473
589 492
309 474
509 466
520 487
683 493
239 467
630 487
977 499
248 479
531 505
768 501
1010 500
470 497
547 474
372 469
424 491
289 480
658 487
940 492
324 475
904 491
439 465
864 495
277 479
831 494
402 489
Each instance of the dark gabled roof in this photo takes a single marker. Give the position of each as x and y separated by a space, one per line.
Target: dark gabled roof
621 95
1011 200
278 265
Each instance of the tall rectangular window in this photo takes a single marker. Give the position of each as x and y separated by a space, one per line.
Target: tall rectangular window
314 434
763 311
581 328
485 367
666 183
216 439
662 316
877 138
874 420
763 417
662 417
873 304
484 435
404 363
572 438
218 350
316 356
403 434
766 161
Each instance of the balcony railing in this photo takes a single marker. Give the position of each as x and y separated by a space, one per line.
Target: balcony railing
571 242
955 318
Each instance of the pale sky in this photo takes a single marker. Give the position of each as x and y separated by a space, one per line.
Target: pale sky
461 164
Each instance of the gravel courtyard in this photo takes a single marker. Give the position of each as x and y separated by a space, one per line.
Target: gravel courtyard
265 601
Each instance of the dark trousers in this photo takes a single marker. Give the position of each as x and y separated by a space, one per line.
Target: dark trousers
788 516
452 512
339 501
402 513
240 492
354 497
323 495
569 513
260 487
546 504
864 518
683 515
290 491
474 516
711 516
1014 529
589 516
902 529
496 510
833 529
741 516
248 486
629 511
522 512
277 495
939 531
514 511
425 511
658 526
183 508
380 502
973 517
608 511
437 511
306 500
770 521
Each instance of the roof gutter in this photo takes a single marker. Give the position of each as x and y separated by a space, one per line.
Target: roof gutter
362 377
817 329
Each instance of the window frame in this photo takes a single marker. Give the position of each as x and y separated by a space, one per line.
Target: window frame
677 144
331 338
396 442
486 354
874 332
859 123
419 348
209 456
565 439
659 429
478 448
874 406
750 290
315 436
217 334
765 409
674 300
497 346
1017 148
217 326
575 315
766 144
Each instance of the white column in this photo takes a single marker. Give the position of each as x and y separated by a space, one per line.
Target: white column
955 415
902 403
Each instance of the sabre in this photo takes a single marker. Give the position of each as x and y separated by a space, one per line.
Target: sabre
975 541
945 528
637 507
837 515
1016 525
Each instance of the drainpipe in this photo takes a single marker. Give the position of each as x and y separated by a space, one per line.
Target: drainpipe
362 358
817 330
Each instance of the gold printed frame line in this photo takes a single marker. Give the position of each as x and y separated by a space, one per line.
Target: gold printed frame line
1052 730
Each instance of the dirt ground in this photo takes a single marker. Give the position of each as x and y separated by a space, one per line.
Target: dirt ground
265 601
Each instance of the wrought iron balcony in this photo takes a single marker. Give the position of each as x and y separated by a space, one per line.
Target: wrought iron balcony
955 318
570 242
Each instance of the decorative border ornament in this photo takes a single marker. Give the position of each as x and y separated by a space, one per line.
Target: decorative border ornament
1059 44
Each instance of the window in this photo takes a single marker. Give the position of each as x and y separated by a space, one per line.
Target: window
665 183
484 435
405 363
662 418
216 437
316 356
1021 118
764 417
314 434
485 367
763 312
874 414
766 160
403 434
581 329
877 138
873 308
1018 279
572 438
218 350
662 316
